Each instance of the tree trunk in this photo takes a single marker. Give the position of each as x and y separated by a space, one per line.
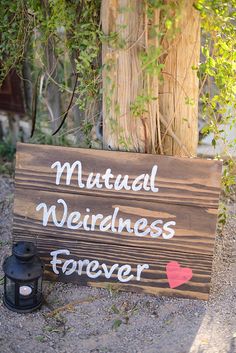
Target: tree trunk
53 94
27 85
179 92
169 123
78 115
122 81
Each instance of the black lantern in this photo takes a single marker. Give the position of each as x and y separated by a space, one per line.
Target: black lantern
23 278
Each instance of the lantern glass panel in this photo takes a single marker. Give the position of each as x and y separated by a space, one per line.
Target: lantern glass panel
10 290
28 294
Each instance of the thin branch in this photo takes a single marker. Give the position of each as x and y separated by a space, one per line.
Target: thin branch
67 111
174 136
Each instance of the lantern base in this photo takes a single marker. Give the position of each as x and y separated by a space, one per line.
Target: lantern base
21 310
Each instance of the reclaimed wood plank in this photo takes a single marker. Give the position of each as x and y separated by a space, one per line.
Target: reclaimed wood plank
194 230
153 280
198 185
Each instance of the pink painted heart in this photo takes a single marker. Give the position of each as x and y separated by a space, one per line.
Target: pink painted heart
177 275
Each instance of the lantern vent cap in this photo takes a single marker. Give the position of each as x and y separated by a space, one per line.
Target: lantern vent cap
24 250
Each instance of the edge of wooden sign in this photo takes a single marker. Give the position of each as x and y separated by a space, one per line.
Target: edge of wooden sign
204 160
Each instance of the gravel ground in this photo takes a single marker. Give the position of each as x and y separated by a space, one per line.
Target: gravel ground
89 320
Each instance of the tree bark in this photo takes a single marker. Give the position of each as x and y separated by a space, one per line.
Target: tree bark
169 124
53 94
27 85
179 92
122 81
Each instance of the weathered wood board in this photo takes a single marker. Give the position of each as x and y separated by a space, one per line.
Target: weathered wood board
141 222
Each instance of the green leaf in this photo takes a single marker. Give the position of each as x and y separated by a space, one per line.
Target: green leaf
168 23
116 324
205 130
40 338
205 51
197 5
211 62
115 309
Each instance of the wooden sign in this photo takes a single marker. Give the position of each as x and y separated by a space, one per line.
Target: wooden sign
140 222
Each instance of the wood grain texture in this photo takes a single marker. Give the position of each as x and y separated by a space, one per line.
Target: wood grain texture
188 194
180 89
122 76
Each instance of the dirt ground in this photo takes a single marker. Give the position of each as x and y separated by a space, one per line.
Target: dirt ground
97 321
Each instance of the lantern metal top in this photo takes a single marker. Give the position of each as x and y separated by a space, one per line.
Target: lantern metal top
24 250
